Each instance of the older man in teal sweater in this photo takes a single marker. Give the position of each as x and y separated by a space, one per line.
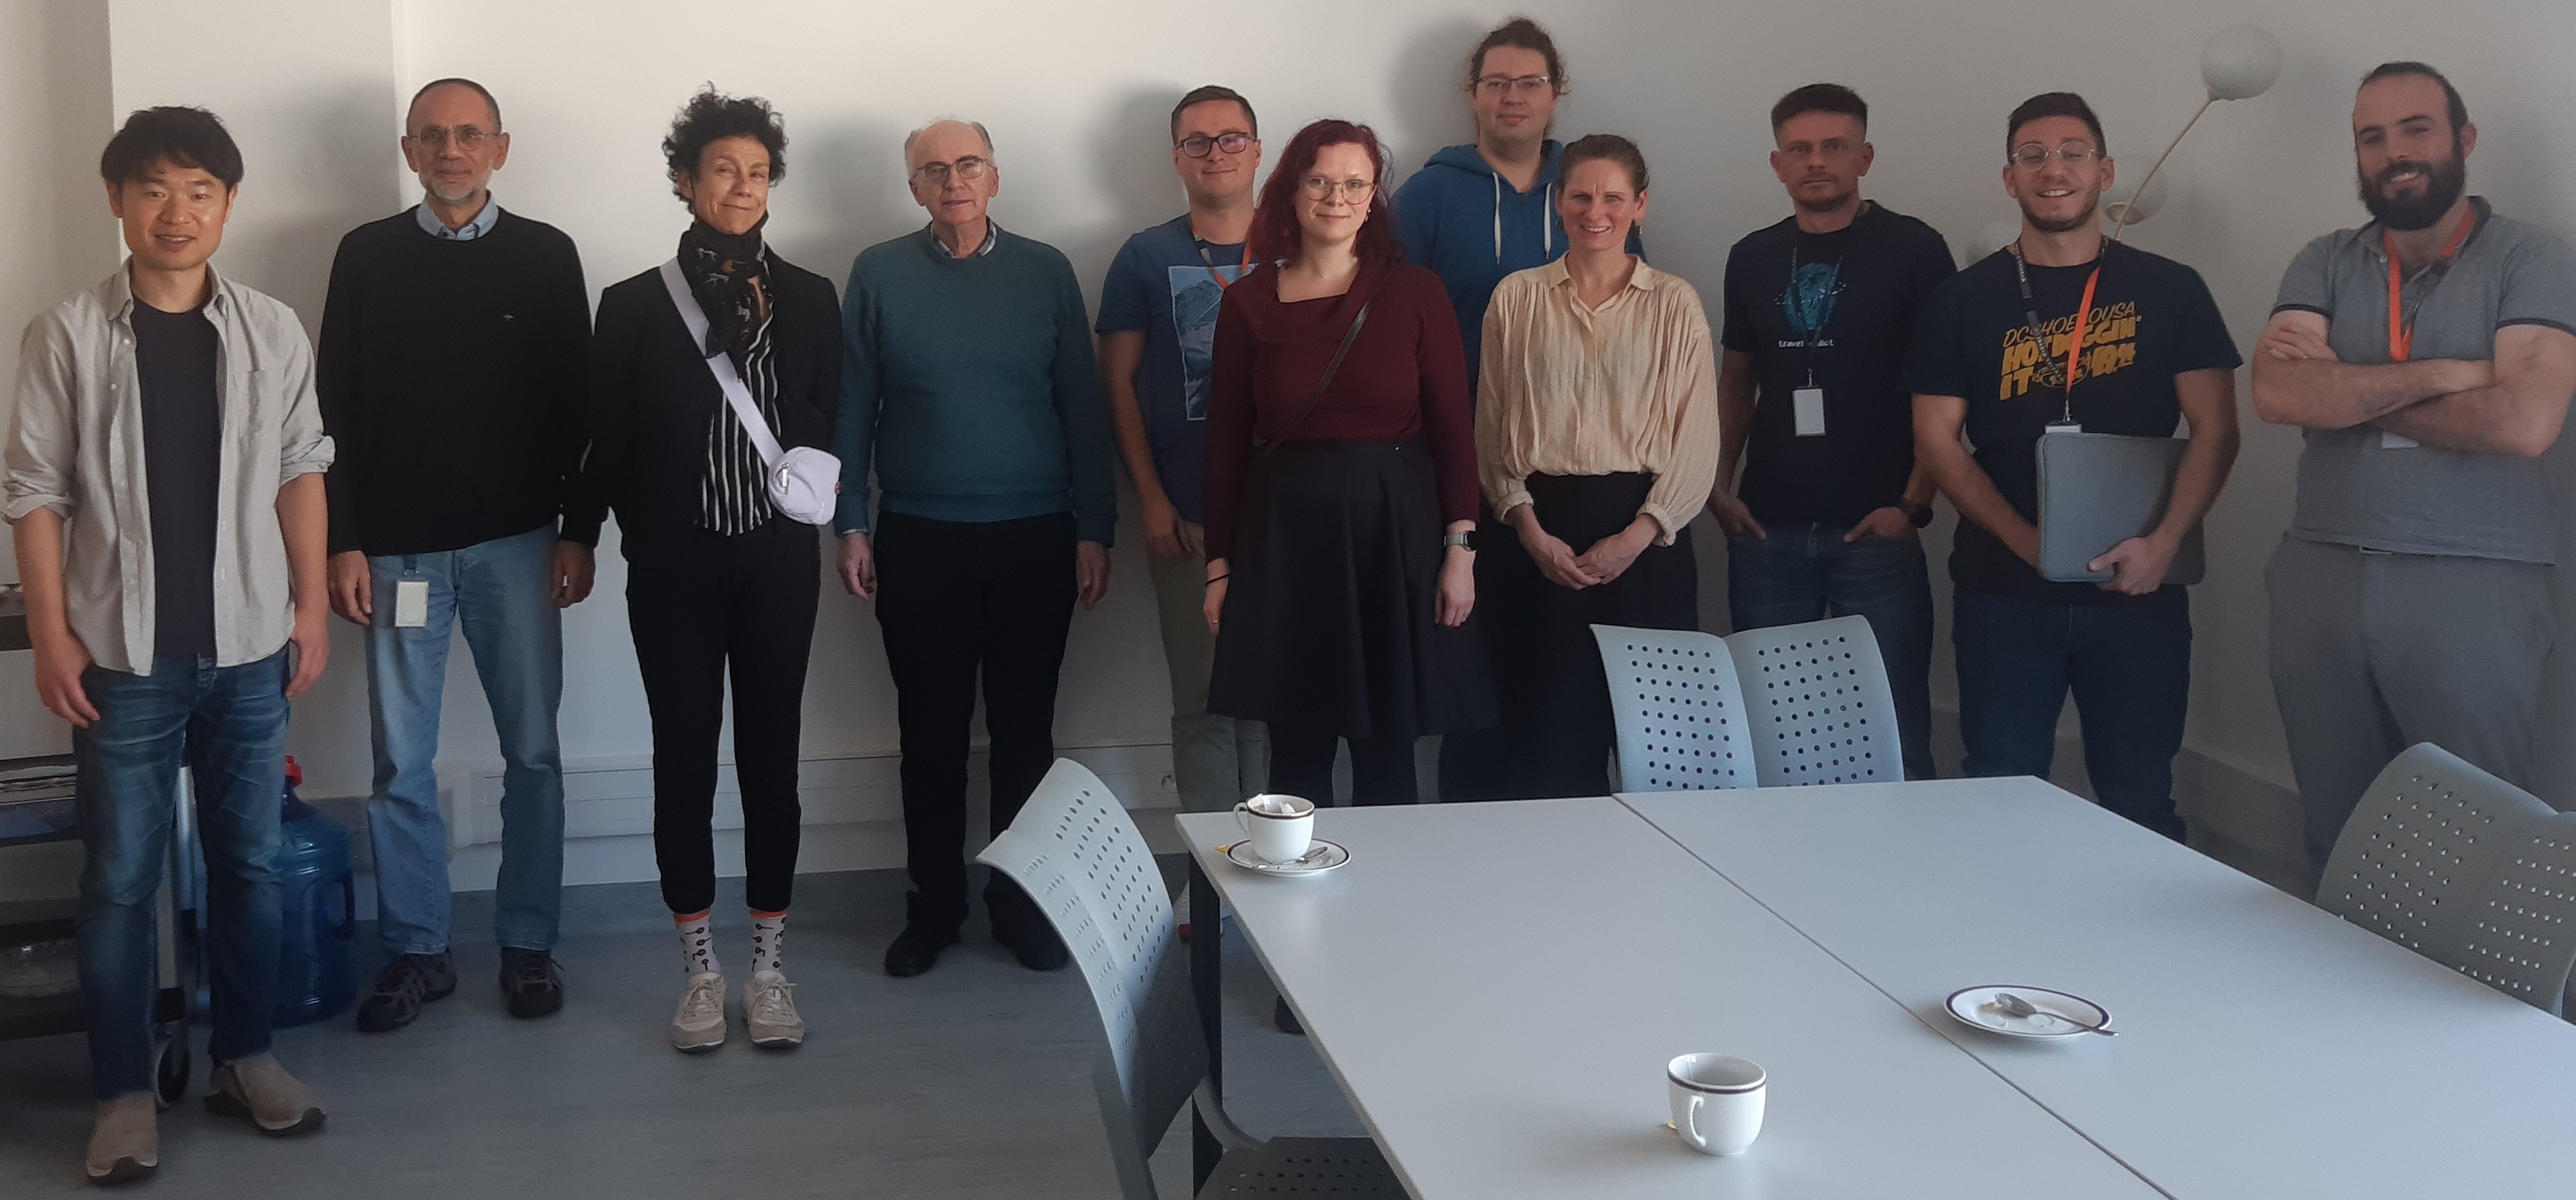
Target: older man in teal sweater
969 387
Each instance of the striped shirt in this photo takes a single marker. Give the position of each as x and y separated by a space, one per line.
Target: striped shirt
734 496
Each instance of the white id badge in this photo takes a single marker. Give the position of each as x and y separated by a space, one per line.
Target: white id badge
1808 405
2390 439
411 603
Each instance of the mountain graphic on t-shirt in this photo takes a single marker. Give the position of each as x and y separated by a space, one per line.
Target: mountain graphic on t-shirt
1195 297
1809 301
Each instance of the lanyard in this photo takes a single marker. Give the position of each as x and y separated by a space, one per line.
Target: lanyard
2401 332
1815 330
2074 340
1240 268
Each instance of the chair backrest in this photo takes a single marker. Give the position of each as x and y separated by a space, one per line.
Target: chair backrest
1817 701
2463 868
1079 856
1679 711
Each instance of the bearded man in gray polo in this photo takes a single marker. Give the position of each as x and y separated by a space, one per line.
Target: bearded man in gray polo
2429 357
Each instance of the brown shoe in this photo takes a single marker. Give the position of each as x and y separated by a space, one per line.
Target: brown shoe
260 1089
125 1145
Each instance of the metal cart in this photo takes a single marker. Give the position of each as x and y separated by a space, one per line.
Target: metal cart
40 851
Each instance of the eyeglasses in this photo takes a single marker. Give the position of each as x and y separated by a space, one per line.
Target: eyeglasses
2031 156
968 168
466 137
1316 187
1514 85
1232 141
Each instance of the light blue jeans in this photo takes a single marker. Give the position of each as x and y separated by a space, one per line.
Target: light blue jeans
497 591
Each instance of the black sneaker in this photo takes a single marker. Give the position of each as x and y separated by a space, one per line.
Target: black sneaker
1036 945
409 981
532 981
917 948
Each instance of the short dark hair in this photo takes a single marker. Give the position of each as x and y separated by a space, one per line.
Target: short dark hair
2459 107
1212 93
710 117
456 81
1606 147
1519 33
2055 104
185 136
1819 97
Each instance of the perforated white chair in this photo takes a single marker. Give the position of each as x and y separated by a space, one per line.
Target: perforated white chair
1817 702
2465 869
1076 852
1679 712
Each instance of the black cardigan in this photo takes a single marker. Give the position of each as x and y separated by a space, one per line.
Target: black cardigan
652 398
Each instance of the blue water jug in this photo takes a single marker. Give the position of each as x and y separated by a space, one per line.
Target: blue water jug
315 977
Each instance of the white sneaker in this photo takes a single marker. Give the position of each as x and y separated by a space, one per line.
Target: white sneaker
769 1011
700 1023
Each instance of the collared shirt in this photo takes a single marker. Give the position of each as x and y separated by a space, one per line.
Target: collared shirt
76 447
481 224
992 238
2360 487
1568 390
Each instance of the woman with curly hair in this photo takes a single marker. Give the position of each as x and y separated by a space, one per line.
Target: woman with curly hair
1341 485
718 581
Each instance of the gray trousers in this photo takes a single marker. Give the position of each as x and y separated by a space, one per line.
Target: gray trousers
2373 652
1216 760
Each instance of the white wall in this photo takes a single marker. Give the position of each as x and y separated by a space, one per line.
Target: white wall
1076 96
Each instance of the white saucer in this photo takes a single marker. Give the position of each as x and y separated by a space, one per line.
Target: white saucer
1322 857
2058 1017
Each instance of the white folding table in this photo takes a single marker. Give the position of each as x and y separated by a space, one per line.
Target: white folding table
1497 988
2266 1048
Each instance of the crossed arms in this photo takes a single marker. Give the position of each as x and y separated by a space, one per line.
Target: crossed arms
2513 405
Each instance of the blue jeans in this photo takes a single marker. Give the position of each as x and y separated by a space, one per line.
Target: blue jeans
227 725
1807 572
497 590
2129 667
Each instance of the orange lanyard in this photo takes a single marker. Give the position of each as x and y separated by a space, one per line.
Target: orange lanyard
2075 343
1240 268
2401 332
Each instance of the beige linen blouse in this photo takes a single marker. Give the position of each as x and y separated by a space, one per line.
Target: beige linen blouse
1569 390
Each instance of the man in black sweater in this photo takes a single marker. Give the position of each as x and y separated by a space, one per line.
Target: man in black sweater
450 372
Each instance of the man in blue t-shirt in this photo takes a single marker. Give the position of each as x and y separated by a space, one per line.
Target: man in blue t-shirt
1157 337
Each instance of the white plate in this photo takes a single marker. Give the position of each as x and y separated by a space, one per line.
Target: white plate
1240 854
2058 1016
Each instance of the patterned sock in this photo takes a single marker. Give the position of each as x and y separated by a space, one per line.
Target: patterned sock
767 931
697 945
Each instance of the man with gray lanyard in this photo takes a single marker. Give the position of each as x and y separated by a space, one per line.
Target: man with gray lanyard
2428 357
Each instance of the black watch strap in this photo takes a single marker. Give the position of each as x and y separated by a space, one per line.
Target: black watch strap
1920 514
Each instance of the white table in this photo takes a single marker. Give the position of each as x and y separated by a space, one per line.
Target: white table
2267 1049
1498 986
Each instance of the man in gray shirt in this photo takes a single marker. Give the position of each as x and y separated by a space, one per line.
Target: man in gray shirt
2410 599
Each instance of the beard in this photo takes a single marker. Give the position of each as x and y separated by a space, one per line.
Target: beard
2444 181
1827 204
2058 225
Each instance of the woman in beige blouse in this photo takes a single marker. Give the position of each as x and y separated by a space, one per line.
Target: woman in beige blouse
1596 441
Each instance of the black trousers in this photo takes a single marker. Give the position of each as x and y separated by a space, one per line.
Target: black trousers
957 601
1301 764
1558 729
714 605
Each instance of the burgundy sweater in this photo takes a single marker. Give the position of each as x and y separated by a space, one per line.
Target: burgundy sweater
1406 375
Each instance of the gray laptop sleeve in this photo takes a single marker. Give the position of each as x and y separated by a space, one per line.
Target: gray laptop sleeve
2097 490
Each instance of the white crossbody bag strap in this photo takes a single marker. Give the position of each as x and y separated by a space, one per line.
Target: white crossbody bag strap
729 380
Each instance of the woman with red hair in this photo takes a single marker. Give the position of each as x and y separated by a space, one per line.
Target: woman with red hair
1341 485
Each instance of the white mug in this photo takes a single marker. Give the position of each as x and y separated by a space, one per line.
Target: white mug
1281 828
1717 1101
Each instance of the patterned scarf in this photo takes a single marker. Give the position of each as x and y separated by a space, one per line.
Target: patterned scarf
721 269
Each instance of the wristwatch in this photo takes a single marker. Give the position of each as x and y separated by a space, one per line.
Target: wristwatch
1464 537
1920 514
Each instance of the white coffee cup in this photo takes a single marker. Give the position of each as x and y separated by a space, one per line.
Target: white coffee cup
1717 1101
1281 828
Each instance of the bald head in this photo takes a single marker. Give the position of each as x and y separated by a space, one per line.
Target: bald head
946 140
455 88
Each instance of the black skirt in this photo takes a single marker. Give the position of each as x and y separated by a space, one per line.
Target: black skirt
1331 615
1555 700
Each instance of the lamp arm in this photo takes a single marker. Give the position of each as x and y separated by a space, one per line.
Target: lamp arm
2122 225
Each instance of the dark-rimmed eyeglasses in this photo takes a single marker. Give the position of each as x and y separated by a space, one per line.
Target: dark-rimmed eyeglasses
1232 141
2031 156
436 137
968 168
1514 85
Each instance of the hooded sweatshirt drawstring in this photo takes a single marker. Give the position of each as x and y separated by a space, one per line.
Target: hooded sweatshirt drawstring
1546 227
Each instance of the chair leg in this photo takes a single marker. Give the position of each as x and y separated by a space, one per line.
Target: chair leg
1207 977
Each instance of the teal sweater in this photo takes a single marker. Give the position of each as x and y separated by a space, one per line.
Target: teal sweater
969 385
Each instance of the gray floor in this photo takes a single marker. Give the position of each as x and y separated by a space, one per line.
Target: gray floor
971 1081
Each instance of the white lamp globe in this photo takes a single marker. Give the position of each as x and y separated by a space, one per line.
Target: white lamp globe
2240 62
2124 205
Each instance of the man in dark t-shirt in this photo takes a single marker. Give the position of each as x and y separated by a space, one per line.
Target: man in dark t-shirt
1811 399
1992 358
